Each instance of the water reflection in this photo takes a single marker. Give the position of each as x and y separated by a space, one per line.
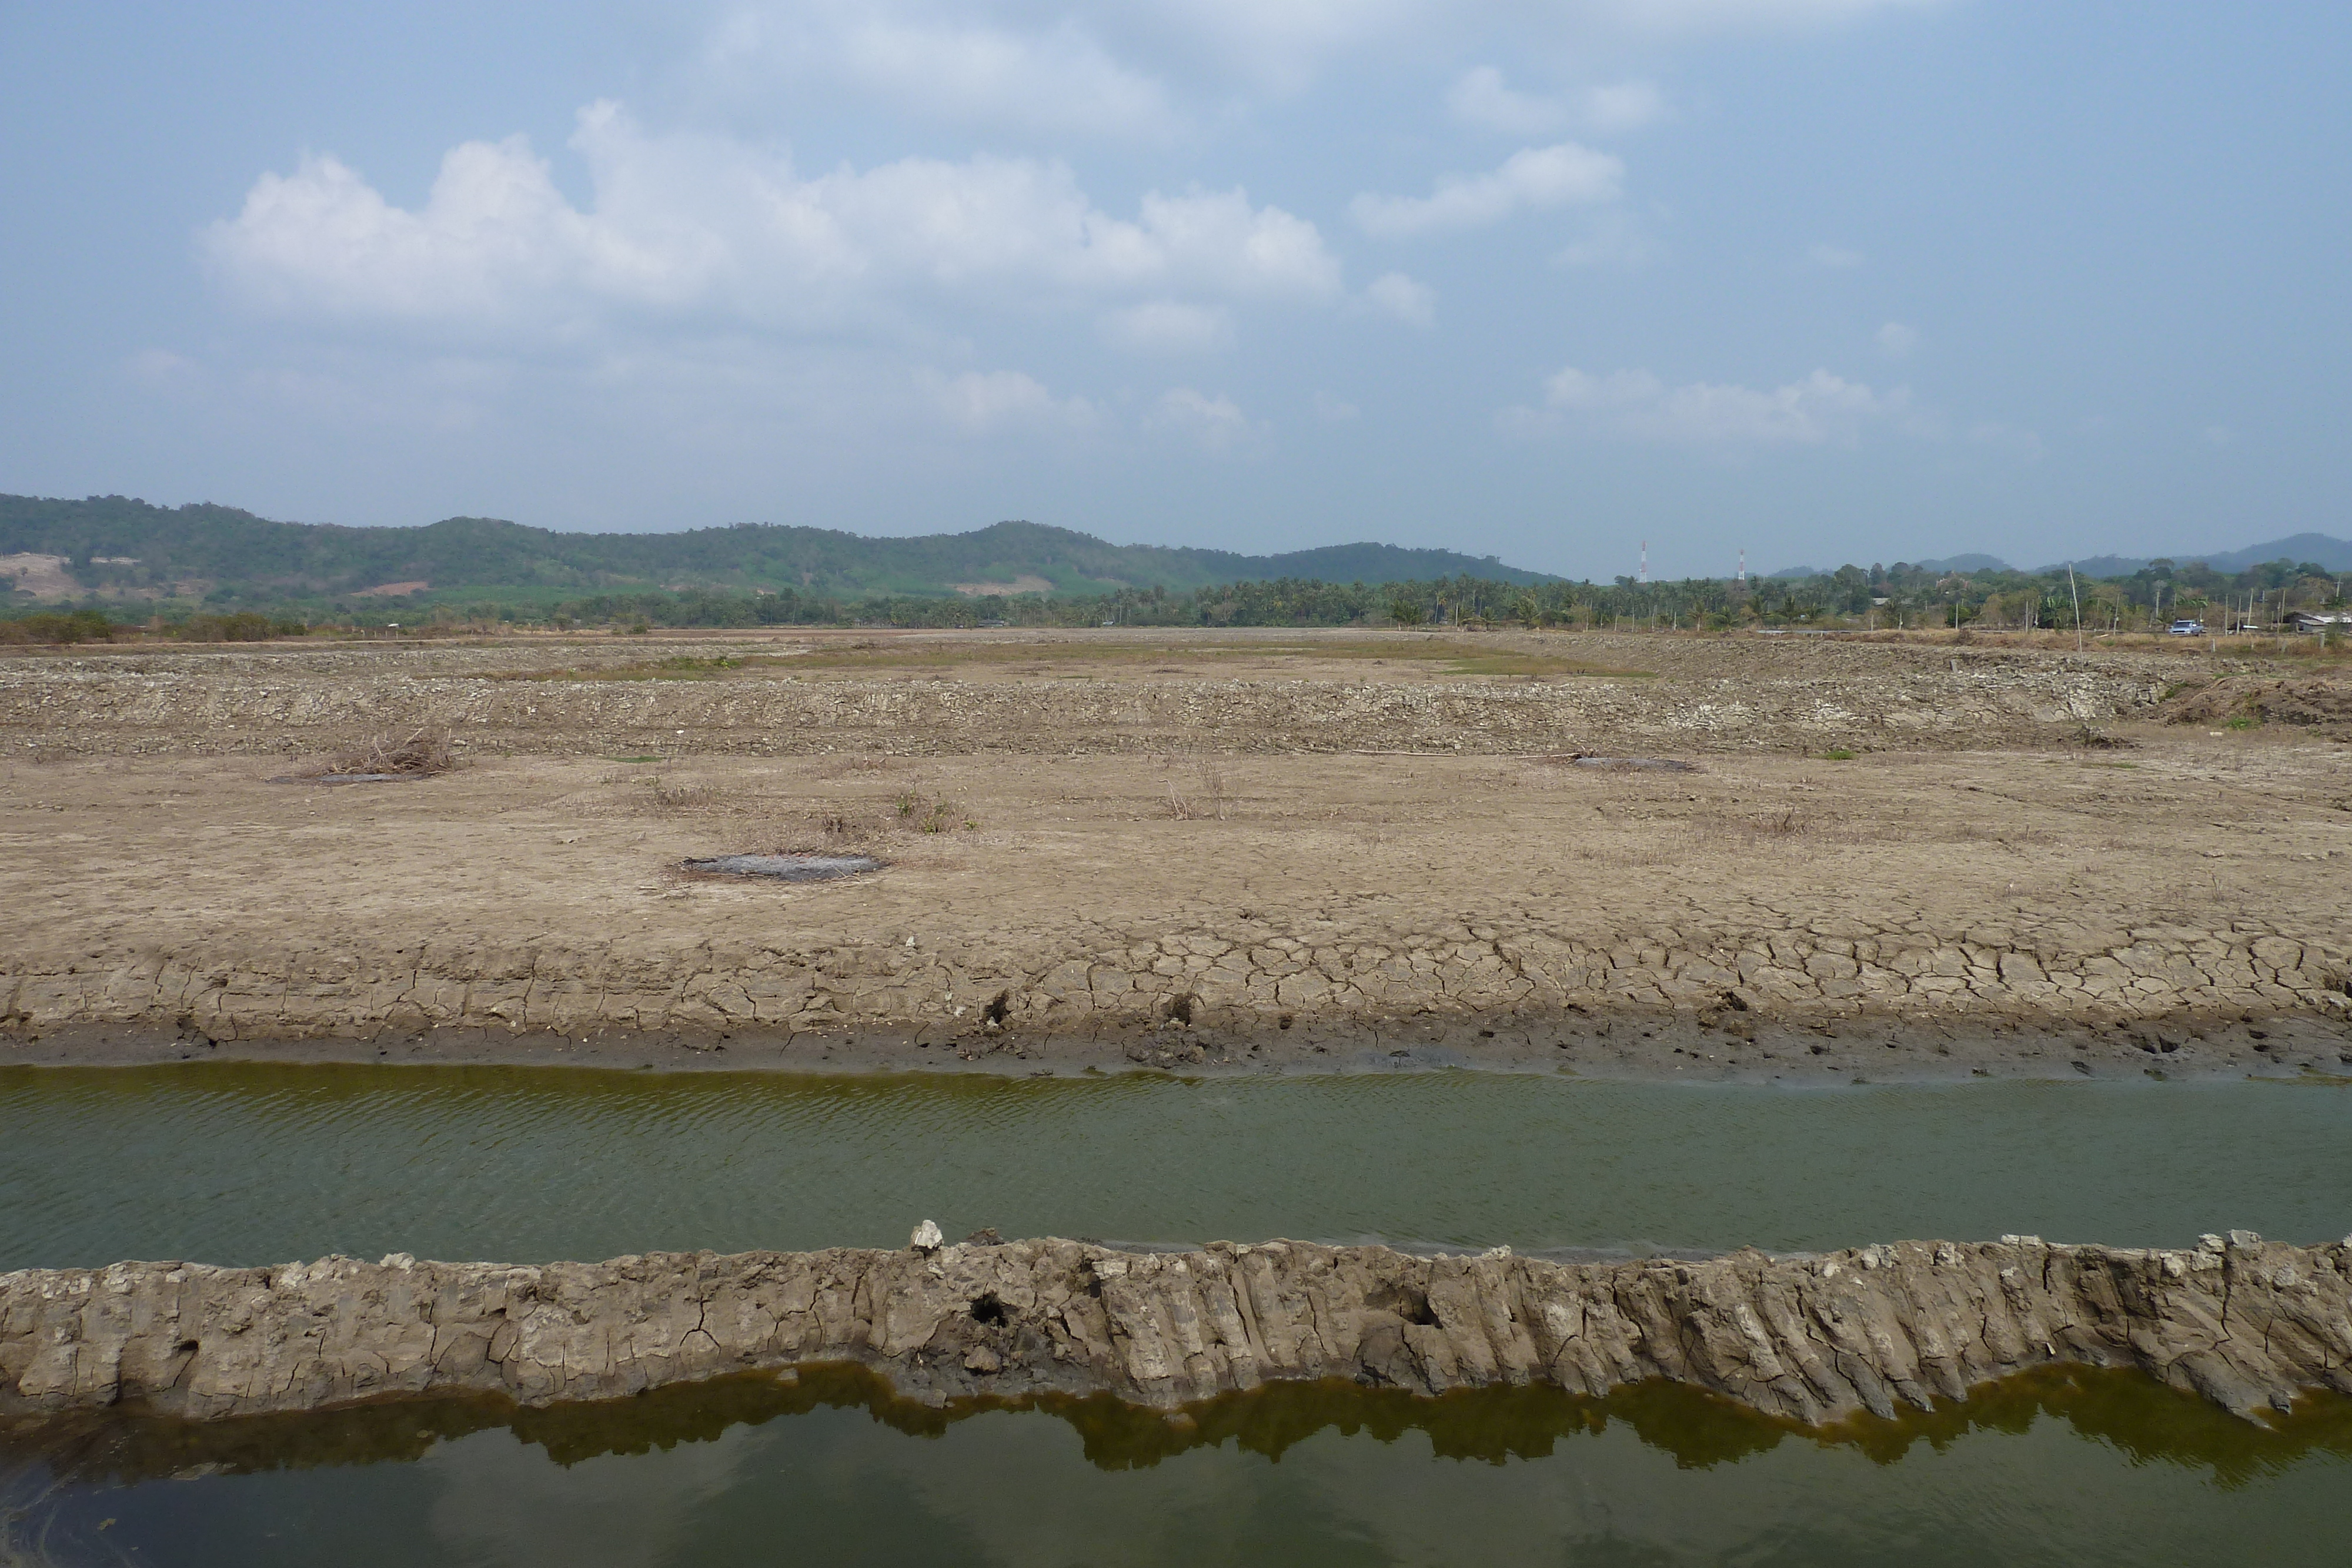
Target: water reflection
2074 1466
2135 1413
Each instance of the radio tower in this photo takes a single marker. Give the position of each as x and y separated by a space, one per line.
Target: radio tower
1743 566
1645 561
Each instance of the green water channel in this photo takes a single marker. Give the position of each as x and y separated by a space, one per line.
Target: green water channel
246 1164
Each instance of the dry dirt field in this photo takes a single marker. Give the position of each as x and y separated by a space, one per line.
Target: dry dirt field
1197 852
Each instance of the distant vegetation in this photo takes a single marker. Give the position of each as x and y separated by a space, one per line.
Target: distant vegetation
217 574
115 547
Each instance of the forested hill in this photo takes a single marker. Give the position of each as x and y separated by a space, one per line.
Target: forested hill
122 546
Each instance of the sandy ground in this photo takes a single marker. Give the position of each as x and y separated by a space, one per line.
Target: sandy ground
1978 892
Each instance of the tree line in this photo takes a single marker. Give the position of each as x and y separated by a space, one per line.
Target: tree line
1902 596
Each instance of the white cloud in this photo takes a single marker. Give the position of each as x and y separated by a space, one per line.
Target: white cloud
1394 293
1696 16
1168 326
1635 403
1896 341
1482 97
684 224
979 401
1835 257
1216 423
1624 106
1532 177
1332 410
1034 64
1058 79
1614 239
974 69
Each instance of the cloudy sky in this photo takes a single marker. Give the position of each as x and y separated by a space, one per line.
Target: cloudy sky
1826 279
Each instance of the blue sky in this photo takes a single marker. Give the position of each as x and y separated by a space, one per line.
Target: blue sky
1825 279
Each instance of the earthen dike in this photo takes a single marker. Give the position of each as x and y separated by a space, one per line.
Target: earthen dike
2248 1324
1195 852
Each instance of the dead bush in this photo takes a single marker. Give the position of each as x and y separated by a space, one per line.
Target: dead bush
417 753
668 795
1206 797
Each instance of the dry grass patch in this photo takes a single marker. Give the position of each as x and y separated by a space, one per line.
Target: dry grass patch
921 813
1204 798
417 752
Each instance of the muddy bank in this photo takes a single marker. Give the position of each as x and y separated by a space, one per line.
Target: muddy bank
1259 989
2247 1324
1191 907
1713 694
1608 1044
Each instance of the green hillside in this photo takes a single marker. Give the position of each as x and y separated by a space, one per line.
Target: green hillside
122 547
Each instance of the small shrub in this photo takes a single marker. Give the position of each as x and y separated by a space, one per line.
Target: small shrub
59 626
1208 797
935 814
238 626
1838 754
421 751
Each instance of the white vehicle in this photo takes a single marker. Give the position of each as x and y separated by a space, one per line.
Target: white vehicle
2186 629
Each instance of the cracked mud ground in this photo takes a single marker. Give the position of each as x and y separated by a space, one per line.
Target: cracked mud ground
1186 853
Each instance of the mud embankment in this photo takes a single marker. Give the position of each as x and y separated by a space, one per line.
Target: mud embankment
2147 995
166 706
2248 1325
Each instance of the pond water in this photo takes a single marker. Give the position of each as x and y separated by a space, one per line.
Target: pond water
242 1164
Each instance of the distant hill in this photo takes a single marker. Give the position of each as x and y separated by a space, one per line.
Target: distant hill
1965 563
121 547
1950 563
2327 553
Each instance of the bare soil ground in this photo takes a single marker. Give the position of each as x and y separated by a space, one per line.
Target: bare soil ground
1199 852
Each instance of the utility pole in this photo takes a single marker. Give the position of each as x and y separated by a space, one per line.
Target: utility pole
2077 594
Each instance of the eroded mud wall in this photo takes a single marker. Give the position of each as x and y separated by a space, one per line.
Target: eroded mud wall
2243 1322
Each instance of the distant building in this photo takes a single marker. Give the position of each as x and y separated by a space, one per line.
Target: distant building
2320 619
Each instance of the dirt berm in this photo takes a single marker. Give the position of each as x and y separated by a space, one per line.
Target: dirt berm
1652 856
2246 1324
